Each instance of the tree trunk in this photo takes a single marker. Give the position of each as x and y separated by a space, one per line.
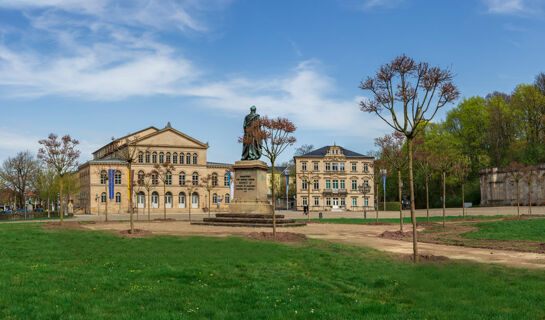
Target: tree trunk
518 202
376 201
60 200
164 202
149 206
107 198
273 201
209 204
427 201
529 199
48 211
400 205
444 174
463 202
131 209
190 203
308 199
413 213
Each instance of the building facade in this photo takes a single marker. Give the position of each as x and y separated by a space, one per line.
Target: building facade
498 188
169 172
331 178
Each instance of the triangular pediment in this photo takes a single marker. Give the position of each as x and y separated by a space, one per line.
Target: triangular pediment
170 137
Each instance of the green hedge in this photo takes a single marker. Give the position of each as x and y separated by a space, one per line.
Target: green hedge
390 206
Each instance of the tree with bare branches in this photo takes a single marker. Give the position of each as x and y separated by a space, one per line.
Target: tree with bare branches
532 173
407 95
164 174
516 171
461 171
424 160
276 136
207 182
18 172
393 155
62 156
146 182
102 173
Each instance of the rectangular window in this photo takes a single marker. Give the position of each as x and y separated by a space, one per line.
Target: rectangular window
343 202
304 166
140 157
341 166
168 179
328 184
147 157
354 184
316 185
366 201
316 201
366 182
335 184
305 201
175 158
315 166
365 167
342 185
327 166
304 185
335 166
354 202
182 179
327 201
354 166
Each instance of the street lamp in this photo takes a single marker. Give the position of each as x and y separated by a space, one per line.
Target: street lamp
364 188
98 207
383 173
287 174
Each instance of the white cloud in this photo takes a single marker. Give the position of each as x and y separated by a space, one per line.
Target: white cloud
513 7
368 4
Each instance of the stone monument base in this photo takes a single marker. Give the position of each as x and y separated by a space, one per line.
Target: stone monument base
250 205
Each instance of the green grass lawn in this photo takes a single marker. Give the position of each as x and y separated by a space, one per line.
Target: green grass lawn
405 219
528 230
74 274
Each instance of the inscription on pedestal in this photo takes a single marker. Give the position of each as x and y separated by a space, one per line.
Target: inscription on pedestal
245 183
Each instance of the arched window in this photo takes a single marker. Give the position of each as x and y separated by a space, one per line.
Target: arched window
168 179
117 177
147 156
154 178
226 179
181 200
168 157
175 158
195 179
155 200
154 157
188 158
140 180
103 197
118 197
140 157
181 178
227 198
168 200
195 200
181 158
194 158
214 179
161 157
103 177
141 200
214 198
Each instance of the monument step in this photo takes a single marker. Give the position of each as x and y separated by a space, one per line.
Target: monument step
252 225
248 220
244 215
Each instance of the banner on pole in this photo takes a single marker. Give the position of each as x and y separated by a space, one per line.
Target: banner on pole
231 176
111 173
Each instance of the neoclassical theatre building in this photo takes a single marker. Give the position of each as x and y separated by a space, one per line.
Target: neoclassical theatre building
329 179
191 183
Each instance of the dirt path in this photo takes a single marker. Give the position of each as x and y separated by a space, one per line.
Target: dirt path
358 235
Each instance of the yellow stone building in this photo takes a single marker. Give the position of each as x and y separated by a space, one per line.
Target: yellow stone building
329 179
170 171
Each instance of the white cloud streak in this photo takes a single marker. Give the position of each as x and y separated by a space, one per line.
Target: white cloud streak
513 7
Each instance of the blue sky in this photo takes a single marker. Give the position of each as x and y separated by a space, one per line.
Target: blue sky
103 68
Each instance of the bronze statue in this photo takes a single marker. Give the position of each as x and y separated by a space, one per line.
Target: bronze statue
251 146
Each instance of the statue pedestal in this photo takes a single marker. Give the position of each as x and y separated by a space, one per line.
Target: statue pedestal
251 191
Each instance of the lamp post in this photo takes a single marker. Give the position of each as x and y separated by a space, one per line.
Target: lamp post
98 207
383 173
287 174
364 188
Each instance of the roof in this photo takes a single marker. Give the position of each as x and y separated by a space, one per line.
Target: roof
125 136
323 151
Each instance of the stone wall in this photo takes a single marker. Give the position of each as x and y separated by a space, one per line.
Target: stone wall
499 189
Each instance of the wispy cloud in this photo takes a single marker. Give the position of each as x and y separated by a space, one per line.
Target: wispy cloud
514 7
368 4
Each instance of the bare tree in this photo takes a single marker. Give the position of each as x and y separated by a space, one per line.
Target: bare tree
425 165
62 156
46 185
191 188
18 173
407 95
207 182
391 150
164 174
516 171
461 171
276 135
104 176
145 182
532 173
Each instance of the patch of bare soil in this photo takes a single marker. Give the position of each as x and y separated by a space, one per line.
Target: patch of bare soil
164 220
380 223
280 236
424 257
451 235
138 233
65 225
